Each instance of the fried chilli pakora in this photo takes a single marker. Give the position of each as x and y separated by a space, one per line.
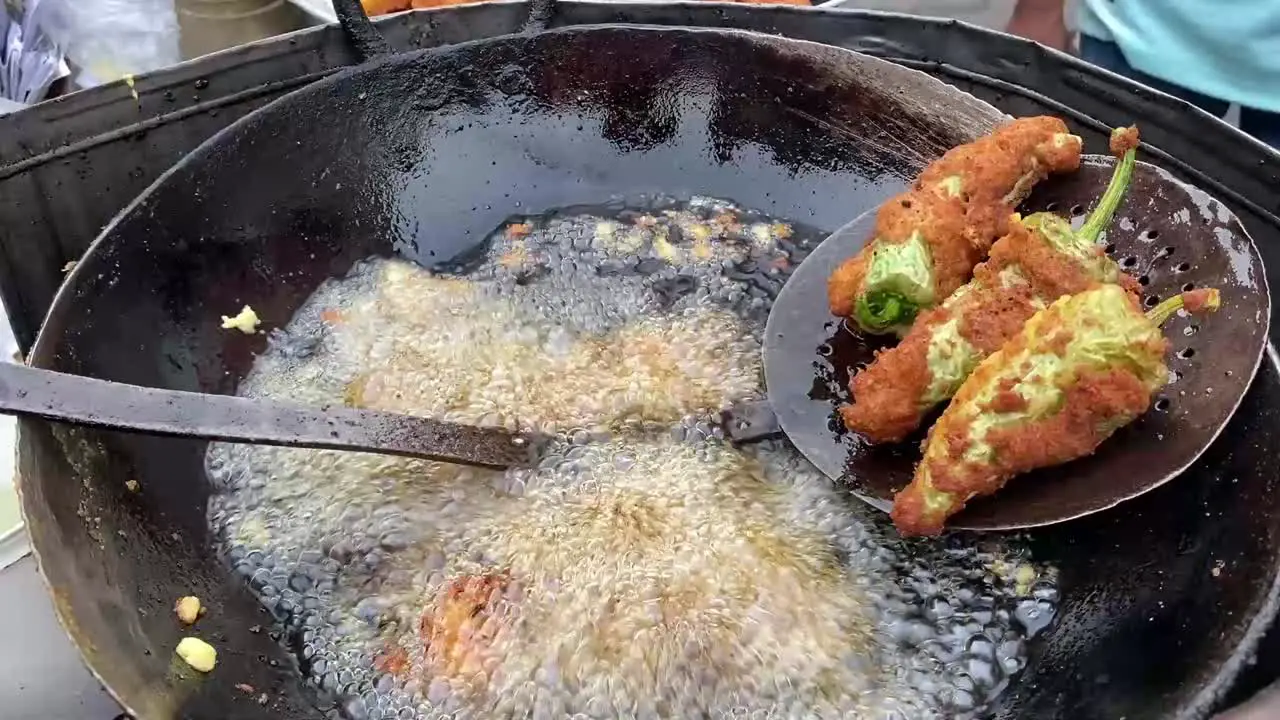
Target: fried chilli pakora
1038 261
928 239
1080 370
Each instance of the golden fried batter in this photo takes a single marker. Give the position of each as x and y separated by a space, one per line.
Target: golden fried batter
889 394
1079 370
1069 434
458 631
888 391
1036 261
1200 301
962 203
841 295
1124 140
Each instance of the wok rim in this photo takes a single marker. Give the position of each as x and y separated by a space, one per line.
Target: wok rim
39 346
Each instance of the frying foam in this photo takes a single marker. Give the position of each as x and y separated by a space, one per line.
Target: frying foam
645 568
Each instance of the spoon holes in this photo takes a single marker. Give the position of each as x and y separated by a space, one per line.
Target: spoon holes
1129 262
1077 210
1187 353
1144 280
1051 206
824 350
1182 267
1162 405
1150 301
1151 235
1111 248
1188 287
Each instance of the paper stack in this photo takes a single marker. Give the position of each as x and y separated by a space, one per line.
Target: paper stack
30 62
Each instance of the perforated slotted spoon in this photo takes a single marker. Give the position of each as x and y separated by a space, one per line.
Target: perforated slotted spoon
1172 236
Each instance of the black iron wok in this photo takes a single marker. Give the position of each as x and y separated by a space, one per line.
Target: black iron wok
422 154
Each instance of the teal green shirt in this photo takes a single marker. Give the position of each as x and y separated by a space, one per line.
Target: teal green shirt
1227 49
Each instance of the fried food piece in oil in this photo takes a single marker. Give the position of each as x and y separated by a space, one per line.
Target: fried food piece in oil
461 626
1040 259
1078 371
928 239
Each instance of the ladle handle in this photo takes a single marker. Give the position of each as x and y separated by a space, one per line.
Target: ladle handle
541 14
369 43
116 406
750 422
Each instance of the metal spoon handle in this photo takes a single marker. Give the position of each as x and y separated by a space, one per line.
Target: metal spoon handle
116 406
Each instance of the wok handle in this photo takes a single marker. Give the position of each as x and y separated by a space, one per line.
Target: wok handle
360 30
79 400
369 43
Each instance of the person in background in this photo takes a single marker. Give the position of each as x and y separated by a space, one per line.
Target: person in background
1210 53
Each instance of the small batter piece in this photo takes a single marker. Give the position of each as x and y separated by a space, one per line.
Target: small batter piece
928 239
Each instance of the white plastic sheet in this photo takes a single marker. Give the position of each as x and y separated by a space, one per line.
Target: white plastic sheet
106 40
30 61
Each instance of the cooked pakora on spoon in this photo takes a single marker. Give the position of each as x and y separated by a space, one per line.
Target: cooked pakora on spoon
1039 260
1080 370
928 239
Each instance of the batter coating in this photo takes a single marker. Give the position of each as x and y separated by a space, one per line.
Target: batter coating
1039 260
928 239
1081 369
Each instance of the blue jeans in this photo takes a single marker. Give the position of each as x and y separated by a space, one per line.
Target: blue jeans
1259 123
